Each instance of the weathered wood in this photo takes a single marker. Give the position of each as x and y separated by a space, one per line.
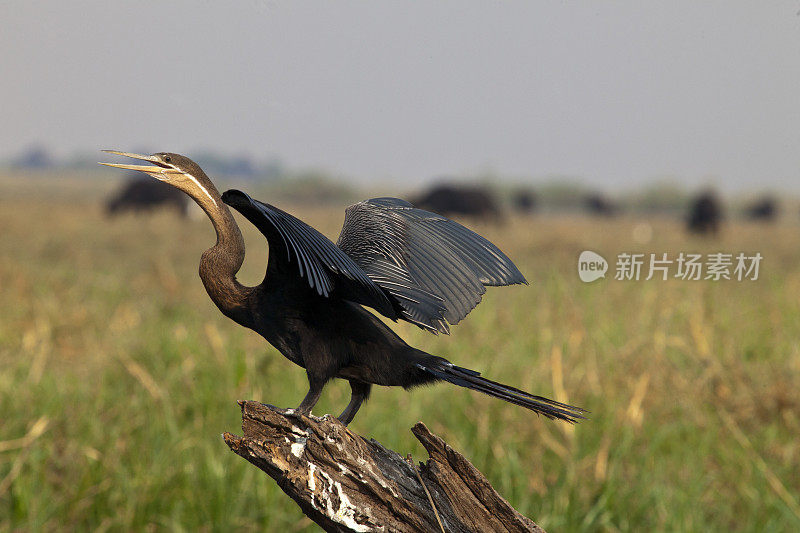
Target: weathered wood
345 482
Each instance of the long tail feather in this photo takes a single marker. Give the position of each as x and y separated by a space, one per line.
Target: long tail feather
470 379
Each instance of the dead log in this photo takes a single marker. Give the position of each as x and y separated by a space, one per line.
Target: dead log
344 482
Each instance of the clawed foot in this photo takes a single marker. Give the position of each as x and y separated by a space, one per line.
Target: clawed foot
343 418
299 411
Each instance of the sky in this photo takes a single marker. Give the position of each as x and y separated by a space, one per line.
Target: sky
615 94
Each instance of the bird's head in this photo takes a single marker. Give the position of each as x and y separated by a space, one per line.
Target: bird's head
178 171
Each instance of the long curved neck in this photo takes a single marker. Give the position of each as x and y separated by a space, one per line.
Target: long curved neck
220 264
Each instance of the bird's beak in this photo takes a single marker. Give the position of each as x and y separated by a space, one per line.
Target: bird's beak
153 170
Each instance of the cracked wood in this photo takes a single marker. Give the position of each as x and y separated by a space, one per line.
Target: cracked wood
344 482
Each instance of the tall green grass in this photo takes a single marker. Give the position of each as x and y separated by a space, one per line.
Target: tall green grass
118 375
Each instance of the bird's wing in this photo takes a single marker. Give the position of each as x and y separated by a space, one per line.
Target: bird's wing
436 269
304 252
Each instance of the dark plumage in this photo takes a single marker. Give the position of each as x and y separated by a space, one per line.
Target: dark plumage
405 263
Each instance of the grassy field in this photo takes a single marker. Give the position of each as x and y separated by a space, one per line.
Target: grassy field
118 375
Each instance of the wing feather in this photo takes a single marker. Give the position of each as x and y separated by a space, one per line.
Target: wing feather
326 269
435 268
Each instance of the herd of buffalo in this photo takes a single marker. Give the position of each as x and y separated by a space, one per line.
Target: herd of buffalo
704 214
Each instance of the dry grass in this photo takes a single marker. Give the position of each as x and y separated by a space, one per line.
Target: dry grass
117 376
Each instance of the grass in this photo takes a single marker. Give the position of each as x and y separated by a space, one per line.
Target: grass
118 375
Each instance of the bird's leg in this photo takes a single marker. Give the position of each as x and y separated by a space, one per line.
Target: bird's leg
359 394
315 385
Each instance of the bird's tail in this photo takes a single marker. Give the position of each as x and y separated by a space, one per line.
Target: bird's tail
463 377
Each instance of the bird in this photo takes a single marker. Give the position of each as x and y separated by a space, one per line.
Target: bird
404 263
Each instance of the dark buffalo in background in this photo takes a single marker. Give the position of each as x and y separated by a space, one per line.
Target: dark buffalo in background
705 214
460 200
145 194
524 201
598 205
764 210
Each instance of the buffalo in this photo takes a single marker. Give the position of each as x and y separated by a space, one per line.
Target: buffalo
763 210
524 201
460 200
146 194
598 205
705 214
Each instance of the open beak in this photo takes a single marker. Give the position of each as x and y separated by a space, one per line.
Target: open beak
157 168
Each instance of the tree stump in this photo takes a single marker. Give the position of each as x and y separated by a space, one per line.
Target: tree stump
344 482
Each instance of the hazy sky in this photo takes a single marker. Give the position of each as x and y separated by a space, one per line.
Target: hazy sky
614 92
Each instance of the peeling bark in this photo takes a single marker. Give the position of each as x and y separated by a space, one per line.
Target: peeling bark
344 482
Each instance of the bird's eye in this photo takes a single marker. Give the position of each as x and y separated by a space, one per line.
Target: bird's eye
166 159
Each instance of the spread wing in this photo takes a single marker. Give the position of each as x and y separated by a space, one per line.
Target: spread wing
299 251
435 269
